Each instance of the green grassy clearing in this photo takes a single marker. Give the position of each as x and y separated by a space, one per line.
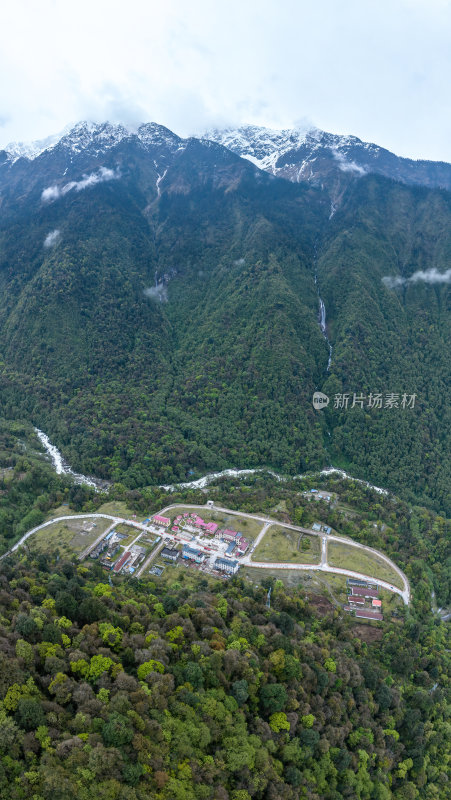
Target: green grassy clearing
282 544
118 508
69 537
353 558
290 577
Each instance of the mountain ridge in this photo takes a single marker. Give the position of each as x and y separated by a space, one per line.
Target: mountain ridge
303 154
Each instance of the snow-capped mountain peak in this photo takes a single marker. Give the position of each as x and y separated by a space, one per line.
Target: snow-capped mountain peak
96 137
300 154
31 150
262 146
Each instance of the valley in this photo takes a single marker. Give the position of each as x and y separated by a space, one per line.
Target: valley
214 368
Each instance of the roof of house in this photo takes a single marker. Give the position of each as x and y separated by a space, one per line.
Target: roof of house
121 561
377 603
191 550
227 562
171 552
212 527
364 591
228 532
158 518
360 612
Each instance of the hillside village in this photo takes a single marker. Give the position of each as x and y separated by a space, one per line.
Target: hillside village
209 543
195 540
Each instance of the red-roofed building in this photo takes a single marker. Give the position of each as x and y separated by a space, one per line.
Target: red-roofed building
211 527
242 544
228 535
165 521
199 522
123 560
363 614
359 600
364 591
376 603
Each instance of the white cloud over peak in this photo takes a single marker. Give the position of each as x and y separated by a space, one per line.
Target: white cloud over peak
348 166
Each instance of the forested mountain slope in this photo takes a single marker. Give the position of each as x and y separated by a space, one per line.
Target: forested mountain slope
391 336
199 690
159 314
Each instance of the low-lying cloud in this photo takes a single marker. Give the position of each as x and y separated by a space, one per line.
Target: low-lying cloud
431 276
52 238
157 293
54 192
348 166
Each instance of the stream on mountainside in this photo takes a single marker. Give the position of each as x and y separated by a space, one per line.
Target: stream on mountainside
62 468
322 322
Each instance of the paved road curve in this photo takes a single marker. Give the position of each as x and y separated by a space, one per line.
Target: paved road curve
246 560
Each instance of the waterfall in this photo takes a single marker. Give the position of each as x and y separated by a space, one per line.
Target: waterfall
322 323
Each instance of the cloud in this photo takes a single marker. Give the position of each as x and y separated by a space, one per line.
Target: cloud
158 293
170 62
52 238
348 166
50 194
431 276
54 192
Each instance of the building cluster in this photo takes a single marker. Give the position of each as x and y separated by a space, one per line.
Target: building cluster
185 527
193 523
221 564
130 559
112 557
363 600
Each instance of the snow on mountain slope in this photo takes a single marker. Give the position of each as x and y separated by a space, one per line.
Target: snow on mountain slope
31 150
262 146
304 154
313 155
291 153
98 138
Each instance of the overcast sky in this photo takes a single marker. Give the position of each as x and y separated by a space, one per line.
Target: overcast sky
377 69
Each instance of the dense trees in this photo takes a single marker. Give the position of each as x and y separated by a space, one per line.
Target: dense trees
219 698
222 374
